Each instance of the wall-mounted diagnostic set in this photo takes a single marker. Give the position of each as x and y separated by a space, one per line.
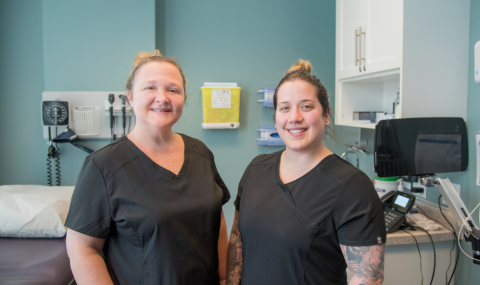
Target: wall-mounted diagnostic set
55 113
221 105
95 114
70 116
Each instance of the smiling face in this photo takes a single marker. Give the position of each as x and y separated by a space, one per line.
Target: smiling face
299 116
157 95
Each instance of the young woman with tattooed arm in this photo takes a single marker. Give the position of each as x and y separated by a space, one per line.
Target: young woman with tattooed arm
303 214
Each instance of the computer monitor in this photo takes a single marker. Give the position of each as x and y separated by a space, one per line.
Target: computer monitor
420 146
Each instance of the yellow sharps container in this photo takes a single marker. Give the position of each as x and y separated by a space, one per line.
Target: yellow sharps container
221 105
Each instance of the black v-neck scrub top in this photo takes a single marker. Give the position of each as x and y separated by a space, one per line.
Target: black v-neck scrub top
291 234
160 228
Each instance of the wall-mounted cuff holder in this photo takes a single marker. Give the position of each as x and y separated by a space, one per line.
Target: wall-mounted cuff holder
86 121
268 93
268 135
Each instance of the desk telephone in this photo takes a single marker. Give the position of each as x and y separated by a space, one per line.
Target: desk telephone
395 205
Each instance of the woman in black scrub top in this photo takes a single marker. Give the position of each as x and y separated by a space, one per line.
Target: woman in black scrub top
304 214
147 208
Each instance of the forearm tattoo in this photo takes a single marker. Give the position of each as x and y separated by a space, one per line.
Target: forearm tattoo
366 262
235 257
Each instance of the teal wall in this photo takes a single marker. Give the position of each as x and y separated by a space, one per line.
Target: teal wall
249 42
468 273
54 45
21 80
89 44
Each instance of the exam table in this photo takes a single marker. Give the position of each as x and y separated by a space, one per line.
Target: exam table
32 235
34 261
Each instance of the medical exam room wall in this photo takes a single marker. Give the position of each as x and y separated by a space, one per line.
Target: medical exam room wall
468 273
90 45
22 149
249 42
56 45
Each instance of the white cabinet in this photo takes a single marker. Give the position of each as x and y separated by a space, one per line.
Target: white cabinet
417 47
383 35
369 36
349 21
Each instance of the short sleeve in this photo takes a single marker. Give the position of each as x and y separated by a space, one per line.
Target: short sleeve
240 189
358 213
90 212
219 181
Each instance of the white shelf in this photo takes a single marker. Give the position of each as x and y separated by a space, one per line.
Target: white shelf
368 93
366 126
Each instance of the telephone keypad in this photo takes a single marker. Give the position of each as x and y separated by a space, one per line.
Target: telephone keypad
391 218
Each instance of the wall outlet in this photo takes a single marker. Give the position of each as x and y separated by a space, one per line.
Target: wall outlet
416 184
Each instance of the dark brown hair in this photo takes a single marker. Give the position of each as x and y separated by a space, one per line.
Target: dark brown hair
302 71
145 57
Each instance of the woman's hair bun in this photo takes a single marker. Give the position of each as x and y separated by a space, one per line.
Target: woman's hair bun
301 65
142 55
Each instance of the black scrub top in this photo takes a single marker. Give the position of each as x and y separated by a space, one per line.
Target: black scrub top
160 228
291 234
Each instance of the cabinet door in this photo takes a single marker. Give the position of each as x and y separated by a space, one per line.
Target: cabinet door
350 15
382 41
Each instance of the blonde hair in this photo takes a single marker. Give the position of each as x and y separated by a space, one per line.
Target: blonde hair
301 65
145 57
302 71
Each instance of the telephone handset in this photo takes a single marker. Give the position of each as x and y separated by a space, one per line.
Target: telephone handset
396 205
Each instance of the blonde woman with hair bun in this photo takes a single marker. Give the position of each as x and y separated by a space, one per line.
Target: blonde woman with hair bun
147 208
303 214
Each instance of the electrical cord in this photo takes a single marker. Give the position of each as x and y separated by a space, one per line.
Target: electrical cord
434 253
454 242
460 232
49 170
53 155
57 165
419 254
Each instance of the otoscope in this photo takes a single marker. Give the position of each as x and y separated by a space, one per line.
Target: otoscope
124 117
111 99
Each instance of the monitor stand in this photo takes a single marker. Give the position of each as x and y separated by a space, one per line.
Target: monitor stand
459 211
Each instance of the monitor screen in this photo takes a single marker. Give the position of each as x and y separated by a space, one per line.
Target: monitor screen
420 146
401 201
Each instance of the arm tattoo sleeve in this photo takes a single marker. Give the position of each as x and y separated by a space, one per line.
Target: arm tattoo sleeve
365 262
235 257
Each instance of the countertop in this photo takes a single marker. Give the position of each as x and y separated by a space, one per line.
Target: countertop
430 210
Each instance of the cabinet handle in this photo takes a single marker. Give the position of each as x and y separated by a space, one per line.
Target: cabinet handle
362 50
357 35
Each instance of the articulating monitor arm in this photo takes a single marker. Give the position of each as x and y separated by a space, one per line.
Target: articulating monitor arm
459 211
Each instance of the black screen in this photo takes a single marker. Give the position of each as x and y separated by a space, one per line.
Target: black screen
419 146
